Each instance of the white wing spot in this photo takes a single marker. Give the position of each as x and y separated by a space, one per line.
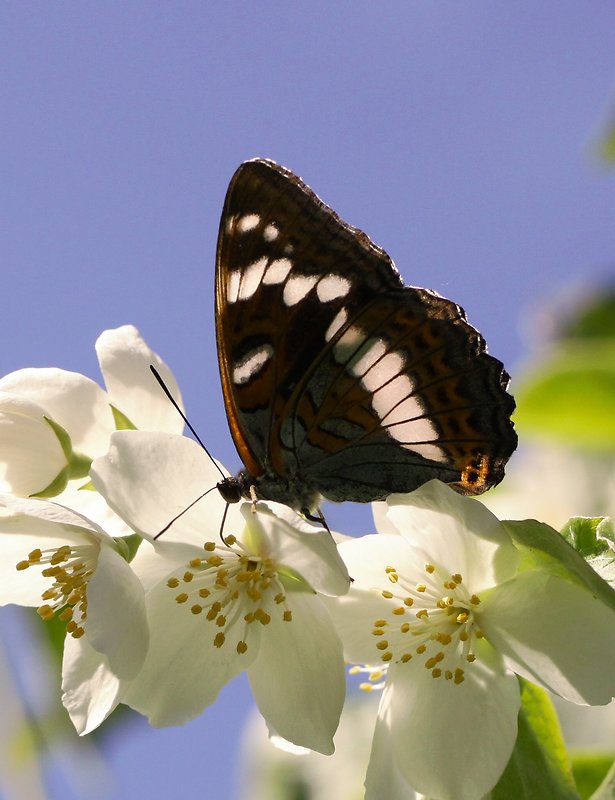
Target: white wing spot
402 413
251 278
383 371
297 287
278 270
288 249
427 450
367 356
247 223
399 390
232 288
347 344
331 287
393 399
251 364
338 320
270 234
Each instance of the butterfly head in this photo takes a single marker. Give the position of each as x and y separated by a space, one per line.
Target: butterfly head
231 489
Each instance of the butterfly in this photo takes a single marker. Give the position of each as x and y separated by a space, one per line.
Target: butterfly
339 381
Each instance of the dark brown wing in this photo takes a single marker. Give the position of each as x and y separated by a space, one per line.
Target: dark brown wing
274 234
404 393
304 304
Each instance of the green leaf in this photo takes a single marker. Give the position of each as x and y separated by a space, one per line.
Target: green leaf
542 547
590 536
570 396
539 768
61 435
594 317
127 546
79 466
57 485
589 770
122 423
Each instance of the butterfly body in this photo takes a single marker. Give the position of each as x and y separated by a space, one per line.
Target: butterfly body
338 380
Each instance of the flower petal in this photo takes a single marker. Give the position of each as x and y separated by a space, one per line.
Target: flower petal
77 403
183 670
117 623
90 690
451 741
125 361
355 613
456 532
26 525
313 554
155 561
367 558
92 505
380 510
149 478
555 633
298 677
383 778
31 455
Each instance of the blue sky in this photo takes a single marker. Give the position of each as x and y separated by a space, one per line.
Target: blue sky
457 135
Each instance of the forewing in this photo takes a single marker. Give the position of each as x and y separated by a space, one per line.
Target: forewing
289 272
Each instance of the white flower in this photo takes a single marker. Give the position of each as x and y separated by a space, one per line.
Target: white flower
440 614
55 559
54 422
35 455
216 608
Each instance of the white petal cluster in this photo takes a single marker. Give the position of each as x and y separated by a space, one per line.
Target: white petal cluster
441 615
248 598
443 612
166 630
60 556
62 563
54 422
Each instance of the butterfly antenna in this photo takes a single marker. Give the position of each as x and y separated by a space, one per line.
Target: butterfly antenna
181 513
165 389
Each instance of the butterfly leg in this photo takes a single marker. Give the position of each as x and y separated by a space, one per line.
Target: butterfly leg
316 518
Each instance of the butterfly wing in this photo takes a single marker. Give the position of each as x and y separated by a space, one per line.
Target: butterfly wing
334 374
404 394
278 248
